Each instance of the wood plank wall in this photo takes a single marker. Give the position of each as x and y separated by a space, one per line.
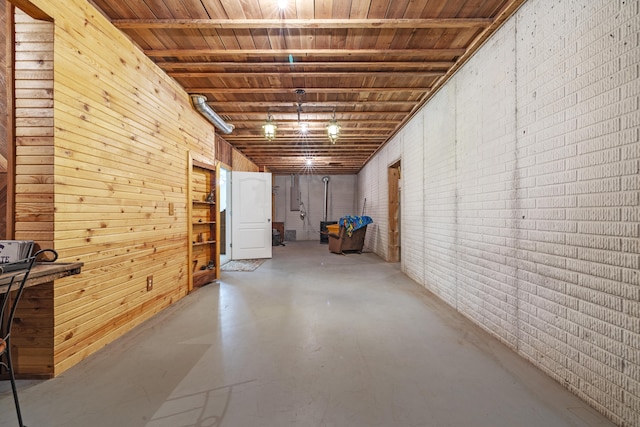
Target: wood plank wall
122 130
224 151
33 210
34 130
241 163
3 88
3 122
3 205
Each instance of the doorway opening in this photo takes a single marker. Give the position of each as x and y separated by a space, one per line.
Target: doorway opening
225 214
394 212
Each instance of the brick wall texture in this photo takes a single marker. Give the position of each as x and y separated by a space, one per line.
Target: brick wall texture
520 200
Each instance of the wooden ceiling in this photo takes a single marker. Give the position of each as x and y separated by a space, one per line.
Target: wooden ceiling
372 63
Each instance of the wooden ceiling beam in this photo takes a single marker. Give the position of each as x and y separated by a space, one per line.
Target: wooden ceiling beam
351 105
325 147
294 74
258 138
291 114
344 154
307 53
262 24
319 125
228 90
345 123
428 65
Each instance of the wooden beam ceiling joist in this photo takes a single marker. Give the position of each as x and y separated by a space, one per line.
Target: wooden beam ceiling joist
351 105
226 90
290 114
302 53
418 65
306 74
262 24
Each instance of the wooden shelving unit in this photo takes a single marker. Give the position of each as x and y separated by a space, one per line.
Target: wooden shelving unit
204 226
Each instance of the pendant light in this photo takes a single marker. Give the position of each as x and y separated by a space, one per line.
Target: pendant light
333 129
269 128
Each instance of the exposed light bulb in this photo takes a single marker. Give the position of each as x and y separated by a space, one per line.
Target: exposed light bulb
282 4
333 131
269 128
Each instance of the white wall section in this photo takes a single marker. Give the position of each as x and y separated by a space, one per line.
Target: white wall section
521 195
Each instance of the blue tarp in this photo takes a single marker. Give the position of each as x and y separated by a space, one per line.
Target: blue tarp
351 222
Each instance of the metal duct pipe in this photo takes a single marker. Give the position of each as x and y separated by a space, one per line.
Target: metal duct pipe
200 104
325 207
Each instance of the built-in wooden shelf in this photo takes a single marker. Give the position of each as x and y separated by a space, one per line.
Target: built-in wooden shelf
208 242
204 219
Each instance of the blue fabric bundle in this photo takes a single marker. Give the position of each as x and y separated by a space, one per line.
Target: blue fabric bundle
351 223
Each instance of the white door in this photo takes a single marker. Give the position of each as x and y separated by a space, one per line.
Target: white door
251 212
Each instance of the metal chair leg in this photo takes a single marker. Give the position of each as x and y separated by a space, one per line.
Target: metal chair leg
14 388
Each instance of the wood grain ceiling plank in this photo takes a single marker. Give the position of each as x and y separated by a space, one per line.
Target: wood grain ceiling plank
239 66
479 8
304 9
359 9
213 8
458 38
374 106
385 39
233 9
116 10
318 126
260 39
341 10
323 9
212 38
275 145
276 39
258 9
338 53
193 9
389 116
378 9
124 24
229 40
160 10
145 39
245 39
433 8
356 90
397 8
307 74
141 10
374 61
488 8
450 9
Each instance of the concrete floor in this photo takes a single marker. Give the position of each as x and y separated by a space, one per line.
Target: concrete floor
308 339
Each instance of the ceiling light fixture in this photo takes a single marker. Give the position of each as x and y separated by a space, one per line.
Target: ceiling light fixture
333 129
304 127
269 128
282 4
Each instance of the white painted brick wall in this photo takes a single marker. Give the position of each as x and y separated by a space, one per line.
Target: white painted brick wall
412 228
521 194
374 189
440 208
